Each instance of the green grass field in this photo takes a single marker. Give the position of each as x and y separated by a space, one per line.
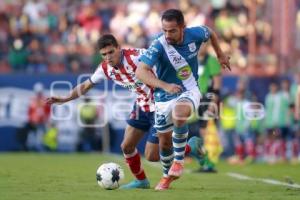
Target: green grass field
72 177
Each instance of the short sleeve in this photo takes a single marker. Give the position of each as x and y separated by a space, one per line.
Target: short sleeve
98 75
152 54
202 33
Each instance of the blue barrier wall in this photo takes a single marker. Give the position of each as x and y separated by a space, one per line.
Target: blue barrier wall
8 131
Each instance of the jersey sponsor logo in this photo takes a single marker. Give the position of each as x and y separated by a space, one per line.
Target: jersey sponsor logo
172 52
176 59
192 47
184 72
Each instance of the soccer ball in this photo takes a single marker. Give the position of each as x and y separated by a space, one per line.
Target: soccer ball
109 175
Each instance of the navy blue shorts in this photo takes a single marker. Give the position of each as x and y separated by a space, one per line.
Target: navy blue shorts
143 121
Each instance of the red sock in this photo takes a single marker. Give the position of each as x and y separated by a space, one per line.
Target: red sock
134 162
276 149
295 148
283 149
267 147
187 150
239 151
250 148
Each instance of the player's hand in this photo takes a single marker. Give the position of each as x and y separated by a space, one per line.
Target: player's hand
172 88
55 100
224 61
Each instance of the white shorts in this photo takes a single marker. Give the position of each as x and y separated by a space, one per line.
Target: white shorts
163 110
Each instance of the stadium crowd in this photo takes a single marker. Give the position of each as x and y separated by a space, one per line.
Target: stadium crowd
60 37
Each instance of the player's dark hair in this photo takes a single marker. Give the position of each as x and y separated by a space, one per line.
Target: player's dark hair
173 14
107 40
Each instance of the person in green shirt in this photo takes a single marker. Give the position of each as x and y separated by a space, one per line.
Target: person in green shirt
285 120
296 117
209 83
209 80
18 55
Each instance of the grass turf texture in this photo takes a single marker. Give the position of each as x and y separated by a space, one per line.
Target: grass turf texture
72 177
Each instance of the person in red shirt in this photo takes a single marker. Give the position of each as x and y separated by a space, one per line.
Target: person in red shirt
38 115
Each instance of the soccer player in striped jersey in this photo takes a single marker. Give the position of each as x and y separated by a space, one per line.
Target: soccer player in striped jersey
174 53
119 65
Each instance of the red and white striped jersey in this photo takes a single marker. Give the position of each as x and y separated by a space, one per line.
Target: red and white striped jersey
124 75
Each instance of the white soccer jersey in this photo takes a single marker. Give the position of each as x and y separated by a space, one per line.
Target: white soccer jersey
124 75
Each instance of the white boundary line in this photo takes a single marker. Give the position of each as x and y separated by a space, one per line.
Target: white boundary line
268 181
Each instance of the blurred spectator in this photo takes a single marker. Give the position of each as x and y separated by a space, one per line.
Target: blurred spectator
36 58
50 138
294 87
272 121
88 117
33 9
244 139
38 115
228 124
18 56
285 118
90 23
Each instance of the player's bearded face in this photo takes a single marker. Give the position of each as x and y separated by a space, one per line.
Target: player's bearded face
111 54
173 32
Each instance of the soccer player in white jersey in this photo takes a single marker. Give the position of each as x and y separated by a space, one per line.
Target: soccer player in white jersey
119 65
174 53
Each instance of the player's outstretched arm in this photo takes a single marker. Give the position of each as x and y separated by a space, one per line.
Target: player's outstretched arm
223 59
144 73
75 93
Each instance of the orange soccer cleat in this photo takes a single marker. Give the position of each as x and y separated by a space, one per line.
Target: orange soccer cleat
176 169
164 183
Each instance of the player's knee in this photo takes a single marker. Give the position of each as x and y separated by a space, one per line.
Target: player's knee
179 122
127 148
182 111
180 118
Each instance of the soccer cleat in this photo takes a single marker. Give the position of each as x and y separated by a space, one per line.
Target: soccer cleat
207 170
197 150
176 169
164 183
142 184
